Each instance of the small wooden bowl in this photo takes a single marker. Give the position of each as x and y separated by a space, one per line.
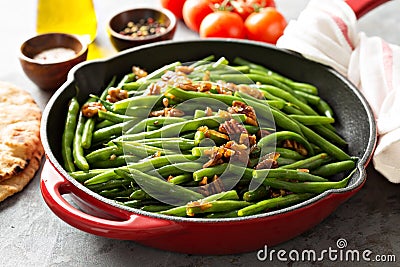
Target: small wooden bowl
49 73
119 21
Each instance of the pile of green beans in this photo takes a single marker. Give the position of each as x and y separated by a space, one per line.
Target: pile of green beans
158 164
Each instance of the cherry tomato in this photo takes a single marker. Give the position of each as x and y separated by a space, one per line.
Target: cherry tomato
245 7
222 24
194 11
175 6
266 26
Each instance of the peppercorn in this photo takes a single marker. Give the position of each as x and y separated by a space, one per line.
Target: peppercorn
143 28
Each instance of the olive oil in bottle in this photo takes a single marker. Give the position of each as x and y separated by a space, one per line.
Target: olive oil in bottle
67 16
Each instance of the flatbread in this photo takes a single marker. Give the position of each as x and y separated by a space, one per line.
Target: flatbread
20 147
19 129
18 182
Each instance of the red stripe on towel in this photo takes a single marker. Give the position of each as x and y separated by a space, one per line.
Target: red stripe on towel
343 28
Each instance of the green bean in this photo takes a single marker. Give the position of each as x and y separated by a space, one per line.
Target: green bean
114 117
116 161
107 132
77 149
285 152
310 98
141 112
176 169
156 208
324 108
309 163
82 176
181 210
259 104
209 172
141 150
329 135
312 119
172 143
154 121
305 187
180 179
255 195
139 194
172 130
254 66
282 161
270 81
130 77
277 137
137 204
289 174
157 162
103 177
199 207
136 86
292 98
159 72
334 168
150 101
104 94
186 95
154 185
245 173
273 203
107 105
201 151
104 153
302 87
325 145
68 134
203 61
236 78
116 193
103 124
112 184
284 122
87 133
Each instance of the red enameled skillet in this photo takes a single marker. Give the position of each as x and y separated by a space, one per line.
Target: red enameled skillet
103 217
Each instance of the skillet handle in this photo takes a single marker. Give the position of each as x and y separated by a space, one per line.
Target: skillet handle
121 225
362 7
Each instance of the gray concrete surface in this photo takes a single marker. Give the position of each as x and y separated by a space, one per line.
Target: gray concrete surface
31 235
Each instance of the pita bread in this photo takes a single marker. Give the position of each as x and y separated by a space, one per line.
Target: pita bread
20 147
19 129
16 183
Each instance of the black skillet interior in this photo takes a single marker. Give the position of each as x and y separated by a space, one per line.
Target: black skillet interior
354 119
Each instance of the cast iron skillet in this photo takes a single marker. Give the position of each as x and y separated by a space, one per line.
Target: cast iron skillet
103 217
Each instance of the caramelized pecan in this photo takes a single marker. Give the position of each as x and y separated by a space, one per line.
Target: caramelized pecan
138 72
239 107
292 144
268 161
92 108
116 94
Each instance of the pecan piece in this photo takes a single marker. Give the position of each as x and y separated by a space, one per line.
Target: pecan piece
292 144
138 72
167 112
239 107
116 94
268 161
184 69
92 108
254 92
